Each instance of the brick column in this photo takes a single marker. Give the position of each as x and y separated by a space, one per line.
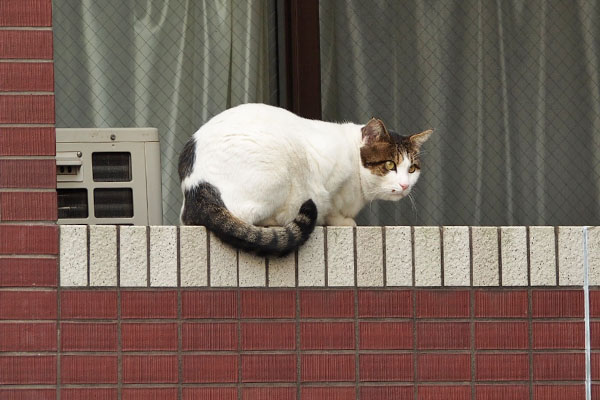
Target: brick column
28 210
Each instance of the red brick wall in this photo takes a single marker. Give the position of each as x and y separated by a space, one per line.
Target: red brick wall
27 139
28 235
318 344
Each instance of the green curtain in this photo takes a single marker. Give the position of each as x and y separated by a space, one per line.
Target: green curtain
170 64
511 88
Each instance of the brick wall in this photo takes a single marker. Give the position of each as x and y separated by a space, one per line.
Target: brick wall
369 313
28 235
165 312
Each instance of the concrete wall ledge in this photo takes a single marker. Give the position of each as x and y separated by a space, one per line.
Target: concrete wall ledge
390 256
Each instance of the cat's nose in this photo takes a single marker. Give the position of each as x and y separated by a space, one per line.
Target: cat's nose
403 186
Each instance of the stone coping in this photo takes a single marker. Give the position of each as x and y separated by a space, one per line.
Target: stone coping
390 256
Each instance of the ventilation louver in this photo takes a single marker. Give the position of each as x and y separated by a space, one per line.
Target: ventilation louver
108 176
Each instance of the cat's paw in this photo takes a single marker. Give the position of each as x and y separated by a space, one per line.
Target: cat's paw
349 222
338 220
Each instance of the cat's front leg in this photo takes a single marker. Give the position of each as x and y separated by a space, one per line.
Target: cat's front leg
339 220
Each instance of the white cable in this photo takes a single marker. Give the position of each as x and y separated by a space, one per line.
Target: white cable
586 305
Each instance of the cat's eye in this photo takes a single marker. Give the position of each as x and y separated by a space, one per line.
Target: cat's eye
390 165
412 169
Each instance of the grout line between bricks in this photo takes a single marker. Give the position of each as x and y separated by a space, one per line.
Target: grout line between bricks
414 349
556 235
356 322
530 338
383 245
291 352
27 223
178 256
58 327
412 244
32 256
499 237
28 158
28 60
148 249
528 247
354 258
30 386
24 125
586 313
118 238
119 334
87 237
325 251
266 271
470 257
239 342
332 319
356 344
208 285
237 268
296 270
297 341
442 278
472 341
27 93
29 190
179 320
26 28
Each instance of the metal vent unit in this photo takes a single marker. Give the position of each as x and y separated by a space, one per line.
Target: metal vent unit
108 176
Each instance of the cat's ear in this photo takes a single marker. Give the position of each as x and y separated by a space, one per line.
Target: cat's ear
418 139
374 131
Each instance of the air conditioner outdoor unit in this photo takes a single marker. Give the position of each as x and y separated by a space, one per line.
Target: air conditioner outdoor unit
108 176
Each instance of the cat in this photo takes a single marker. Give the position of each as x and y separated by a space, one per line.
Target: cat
260 177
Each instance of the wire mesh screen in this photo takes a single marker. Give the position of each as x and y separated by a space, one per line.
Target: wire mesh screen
166 64
510 87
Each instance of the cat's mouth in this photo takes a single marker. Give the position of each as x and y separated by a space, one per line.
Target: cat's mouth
397 194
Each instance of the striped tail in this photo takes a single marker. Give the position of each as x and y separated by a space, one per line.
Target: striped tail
204 206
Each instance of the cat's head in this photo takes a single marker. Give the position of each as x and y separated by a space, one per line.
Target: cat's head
390 162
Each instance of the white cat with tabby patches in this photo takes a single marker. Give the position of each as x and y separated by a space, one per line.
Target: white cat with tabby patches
260 177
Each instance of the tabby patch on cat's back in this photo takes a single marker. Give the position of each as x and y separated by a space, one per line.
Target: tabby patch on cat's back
260 177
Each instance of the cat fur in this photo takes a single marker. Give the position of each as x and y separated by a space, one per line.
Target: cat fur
261 177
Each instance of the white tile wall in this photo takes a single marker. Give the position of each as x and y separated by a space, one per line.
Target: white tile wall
163 256
133 251
485 256
542 256
514 255
373 267
398 256
193 258
73 255
103 255
457 256
428 257
369 256
340 256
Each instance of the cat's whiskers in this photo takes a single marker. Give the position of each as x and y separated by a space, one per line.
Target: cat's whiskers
373 193
413 205
371 205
